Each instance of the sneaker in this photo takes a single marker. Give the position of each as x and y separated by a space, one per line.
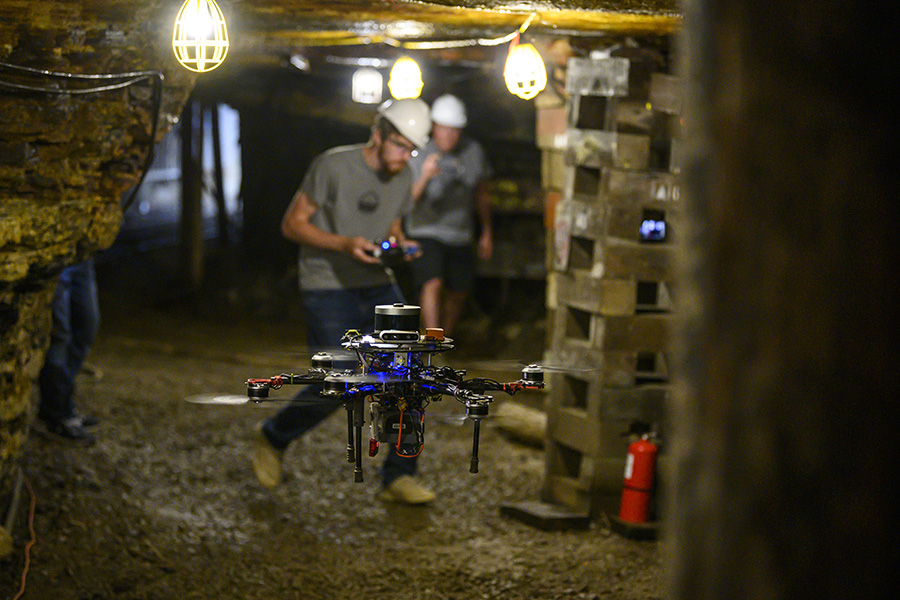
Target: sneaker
87 420
71 428
266 460
406 490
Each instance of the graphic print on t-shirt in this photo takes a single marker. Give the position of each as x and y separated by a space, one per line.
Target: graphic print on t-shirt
368 202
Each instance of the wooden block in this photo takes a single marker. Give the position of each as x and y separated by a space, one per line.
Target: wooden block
551 199
645 403
553 169
552 292
596 148
597 77
567 491
645 332
665 93
550 127
644 262
613 258
639 187
588 216
546 516
575 427
676 160
605 297
615 368
633 116
591 147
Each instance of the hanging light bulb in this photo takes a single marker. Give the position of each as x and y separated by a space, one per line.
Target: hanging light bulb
366 86
200 40
406 79
524 72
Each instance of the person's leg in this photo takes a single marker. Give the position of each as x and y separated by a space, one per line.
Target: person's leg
459 281
55 381
84 322
325 313
396 465
84 313
427 277
430 301
454 301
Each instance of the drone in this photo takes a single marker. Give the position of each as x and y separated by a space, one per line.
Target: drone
395 381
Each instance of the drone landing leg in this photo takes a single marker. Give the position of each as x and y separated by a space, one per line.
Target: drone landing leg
358 419
350 451
473 466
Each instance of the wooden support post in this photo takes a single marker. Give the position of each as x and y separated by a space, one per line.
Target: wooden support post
191 198
221 212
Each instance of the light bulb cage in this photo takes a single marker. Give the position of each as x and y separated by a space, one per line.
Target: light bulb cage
366 86
200 39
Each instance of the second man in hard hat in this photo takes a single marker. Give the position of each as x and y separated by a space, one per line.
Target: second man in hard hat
452 215
349 197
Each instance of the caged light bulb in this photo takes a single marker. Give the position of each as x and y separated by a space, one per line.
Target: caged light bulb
406 79
366 86
200 39
524 71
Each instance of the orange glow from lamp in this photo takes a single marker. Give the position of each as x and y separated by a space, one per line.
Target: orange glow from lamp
200 40
406 79
524 71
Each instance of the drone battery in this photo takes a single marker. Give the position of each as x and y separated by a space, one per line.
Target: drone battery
403 430
397 317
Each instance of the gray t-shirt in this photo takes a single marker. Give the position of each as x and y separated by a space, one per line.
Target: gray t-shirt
445 211
353 200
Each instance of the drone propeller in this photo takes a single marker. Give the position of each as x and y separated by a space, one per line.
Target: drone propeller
457 419
513 364
220 399
238 400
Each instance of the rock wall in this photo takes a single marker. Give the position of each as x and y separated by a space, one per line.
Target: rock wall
67 158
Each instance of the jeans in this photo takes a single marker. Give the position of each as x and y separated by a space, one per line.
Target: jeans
76 319
329 314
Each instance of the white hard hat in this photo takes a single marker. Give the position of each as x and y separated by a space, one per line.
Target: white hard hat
410 117
448 110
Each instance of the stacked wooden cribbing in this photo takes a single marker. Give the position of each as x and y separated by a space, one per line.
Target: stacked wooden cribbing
610 292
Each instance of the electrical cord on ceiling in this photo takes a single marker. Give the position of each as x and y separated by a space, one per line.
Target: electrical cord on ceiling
121 81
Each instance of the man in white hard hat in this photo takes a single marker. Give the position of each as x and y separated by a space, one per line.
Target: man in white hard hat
450 193
350 196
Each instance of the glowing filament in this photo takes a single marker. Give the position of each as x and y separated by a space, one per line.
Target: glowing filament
200 40
524 71
406 79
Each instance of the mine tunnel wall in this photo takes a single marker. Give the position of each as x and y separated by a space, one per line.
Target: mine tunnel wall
66 162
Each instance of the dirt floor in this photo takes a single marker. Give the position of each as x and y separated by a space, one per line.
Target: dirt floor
165 505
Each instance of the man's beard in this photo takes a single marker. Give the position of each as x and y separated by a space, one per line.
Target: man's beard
385 173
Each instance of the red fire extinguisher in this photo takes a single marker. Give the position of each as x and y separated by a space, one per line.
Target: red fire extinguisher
640 472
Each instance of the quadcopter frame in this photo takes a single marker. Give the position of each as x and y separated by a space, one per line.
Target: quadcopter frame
398 378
